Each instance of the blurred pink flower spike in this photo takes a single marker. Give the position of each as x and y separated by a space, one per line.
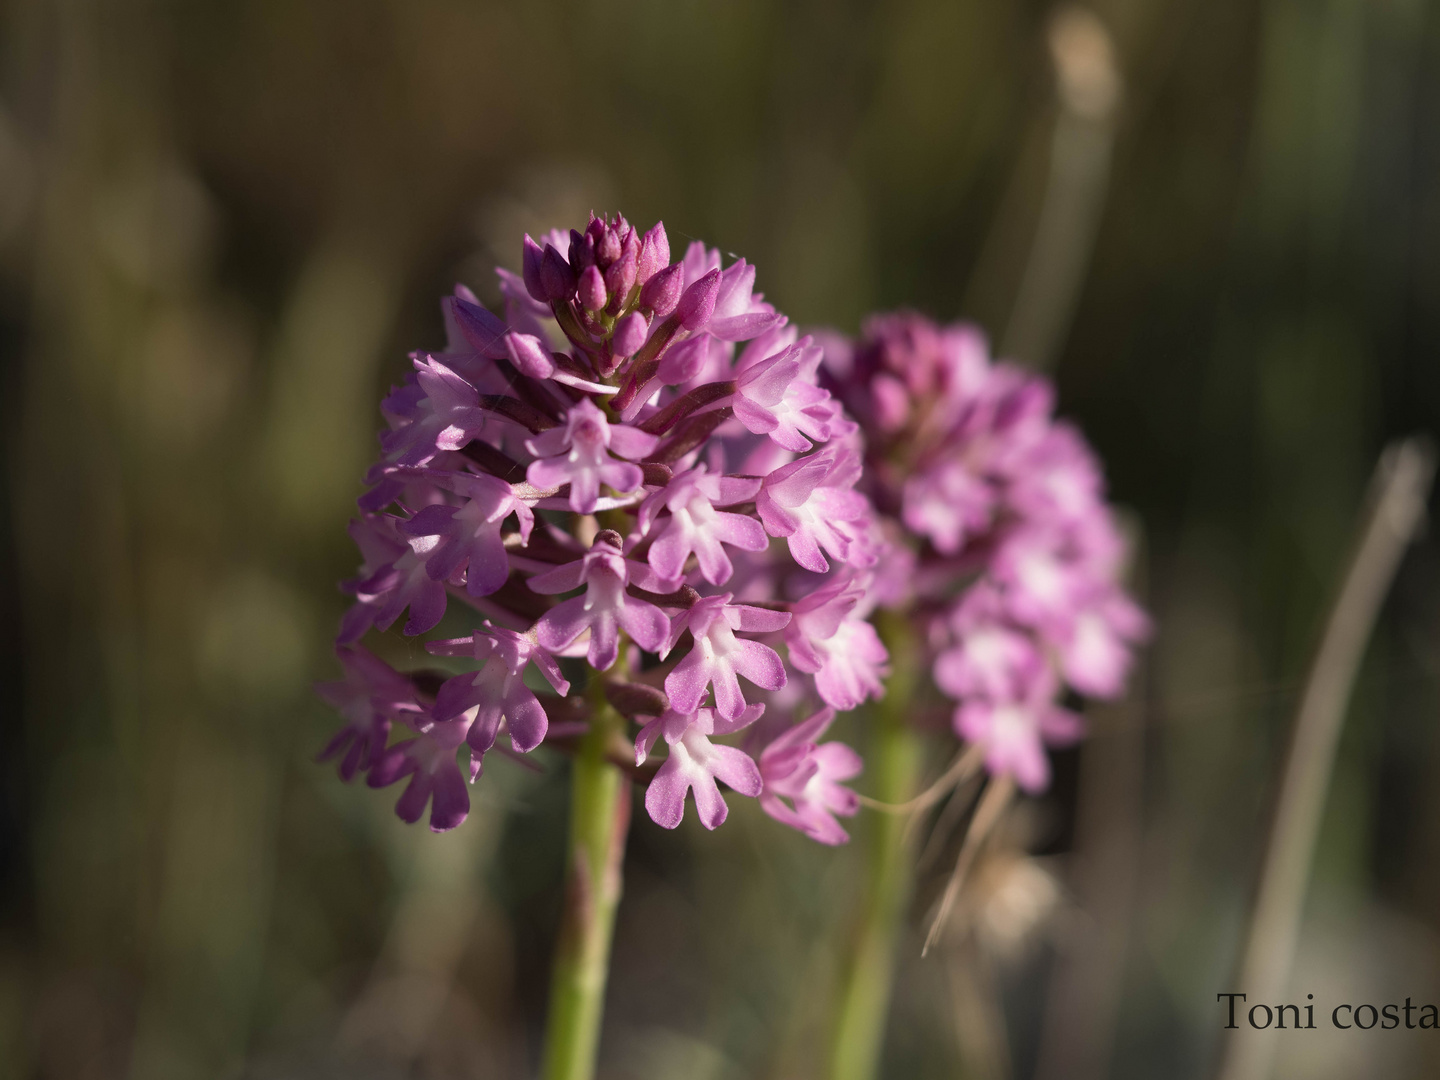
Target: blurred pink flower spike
1016 555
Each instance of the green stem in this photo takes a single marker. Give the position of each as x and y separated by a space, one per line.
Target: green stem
599 819
894 759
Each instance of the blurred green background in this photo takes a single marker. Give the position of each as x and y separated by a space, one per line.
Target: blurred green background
223 225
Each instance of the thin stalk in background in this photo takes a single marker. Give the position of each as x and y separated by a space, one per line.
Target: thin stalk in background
869 974
599 821
995 800
1089 88
1402 481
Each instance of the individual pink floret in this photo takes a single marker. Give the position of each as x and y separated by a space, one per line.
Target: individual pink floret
579 453
948 504
435 779
810 775
402 583
694 526
447 418
719 657
468 536
370 697
695 764
497 691
990 656
1097 651
830 639
1042 582
604 610
1014 734
812 504
740 313
779 397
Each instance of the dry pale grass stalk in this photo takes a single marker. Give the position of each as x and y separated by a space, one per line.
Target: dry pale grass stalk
993 803
1089 90
966 764
1397 508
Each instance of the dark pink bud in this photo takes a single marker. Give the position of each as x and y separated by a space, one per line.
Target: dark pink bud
582 252
621 276
530 269
698 303
529 356
662 292
592 289
607 248
595 232
556 277
631 242
654 253
630 334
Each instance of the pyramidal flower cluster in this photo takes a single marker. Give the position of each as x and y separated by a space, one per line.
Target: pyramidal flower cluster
1006 546
636 485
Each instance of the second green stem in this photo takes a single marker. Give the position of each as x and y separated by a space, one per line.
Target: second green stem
863 1006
